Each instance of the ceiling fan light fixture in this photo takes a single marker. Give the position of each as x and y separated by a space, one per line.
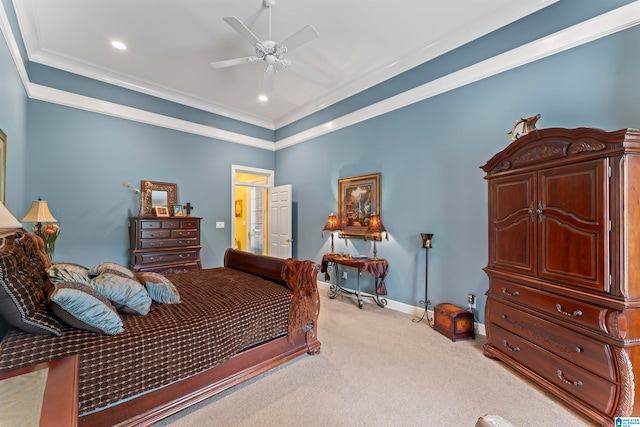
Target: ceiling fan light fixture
263 98
269 51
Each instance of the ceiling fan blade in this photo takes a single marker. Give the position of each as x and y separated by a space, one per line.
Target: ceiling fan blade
242 29
267 81
231 62
303 36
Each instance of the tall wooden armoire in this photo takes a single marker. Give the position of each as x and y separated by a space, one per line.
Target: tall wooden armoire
563 305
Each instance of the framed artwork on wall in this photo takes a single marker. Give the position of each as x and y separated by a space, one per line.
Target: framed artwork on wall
358 198
238 208
3 166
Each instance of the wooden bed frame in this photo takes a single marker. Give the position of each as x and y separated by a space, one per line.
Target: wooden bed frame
151 407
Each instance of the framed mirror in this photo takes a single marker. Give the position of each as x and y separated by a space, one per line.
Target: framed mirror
156 193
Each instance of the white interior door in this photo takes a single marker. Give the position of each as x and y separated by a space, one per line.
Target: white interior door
280 221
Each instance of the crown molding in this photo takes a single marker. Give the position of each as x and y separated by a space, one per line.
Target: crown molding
579 34
484 26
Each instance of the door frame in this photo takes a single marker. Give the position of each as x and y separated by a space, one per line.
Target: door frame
235 169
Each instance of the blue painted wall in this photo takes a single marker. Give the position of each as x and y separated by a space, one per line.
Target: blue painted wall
82 160
13 122
429 155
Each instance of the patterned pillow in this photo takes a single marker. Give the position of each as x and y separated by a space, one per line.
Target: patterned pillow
22 302
160 288
127 295
113 268
80 306
62 272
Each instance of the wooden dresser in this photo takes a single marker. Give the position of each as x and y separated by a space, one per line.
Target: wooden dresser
164 244
563 305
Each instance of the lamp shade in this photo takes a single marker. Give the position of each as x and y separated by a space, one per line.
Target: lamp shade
375 224
332 224
39 212
427 239
6 219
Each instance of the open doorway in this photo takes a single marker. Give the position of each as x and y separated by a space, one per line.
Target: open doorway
250 209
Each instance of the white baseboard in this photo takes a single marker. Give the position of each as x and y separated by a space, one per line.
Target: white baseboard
402 307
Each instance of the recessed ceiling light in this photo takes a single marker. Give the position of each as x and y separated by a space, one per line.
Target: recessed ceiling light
263 98
119 45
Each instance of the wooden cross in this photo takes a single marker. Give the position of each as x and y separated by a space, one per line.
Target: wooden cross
188 208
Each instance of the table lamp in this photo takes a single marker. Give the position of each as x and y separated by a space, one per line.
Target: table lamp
331 226
7 220
375 229
39 213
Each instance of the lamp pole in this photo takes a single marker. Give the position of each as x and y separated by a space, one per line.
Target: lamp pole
427 239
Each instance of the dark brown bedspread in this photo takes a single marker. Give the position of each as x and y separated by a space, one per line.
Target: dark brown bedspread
222 311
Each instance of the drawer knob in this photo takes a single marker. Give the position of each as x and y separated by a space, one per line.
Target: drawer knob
504 316
566 381
579 350
184 256
508 347
506 292
576 313
156 258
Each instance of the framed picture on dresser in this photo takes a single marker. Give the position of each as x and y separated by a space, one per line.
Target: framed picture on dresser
162 211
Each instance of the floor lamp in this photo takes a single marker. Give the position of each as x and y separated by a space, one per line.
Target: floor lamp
427 244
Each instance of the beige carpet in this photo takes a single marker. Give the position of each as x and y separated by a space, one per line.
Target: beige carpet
378 368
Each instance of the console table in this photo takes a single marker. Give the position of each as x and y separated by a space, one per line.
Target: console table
377 268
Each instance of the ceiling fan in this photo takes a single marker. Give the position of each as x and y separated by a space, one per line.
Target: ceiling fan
269 51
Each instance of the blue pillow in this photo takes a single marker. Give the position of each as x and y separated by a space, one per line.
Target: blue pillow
126 295
160 288
62 272
79 306
111 267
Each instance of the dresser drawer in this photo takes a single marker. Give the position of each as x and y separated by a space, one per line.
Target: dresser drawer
564 308
184 233
584 351
584 385
167 243
156 234
173 268
189 223
165 257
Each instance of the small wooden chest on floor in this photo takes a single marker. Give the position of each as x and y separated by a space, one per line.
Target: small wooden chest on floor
453 322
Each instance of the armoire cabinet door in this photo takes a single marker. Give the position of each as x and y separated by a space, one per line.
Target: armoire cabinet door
573 224
511 223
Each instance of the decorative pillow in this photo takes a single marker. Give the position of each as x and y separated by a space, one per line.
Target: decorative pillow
80 306
62 272
111 267
160 288
127 295
22 302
